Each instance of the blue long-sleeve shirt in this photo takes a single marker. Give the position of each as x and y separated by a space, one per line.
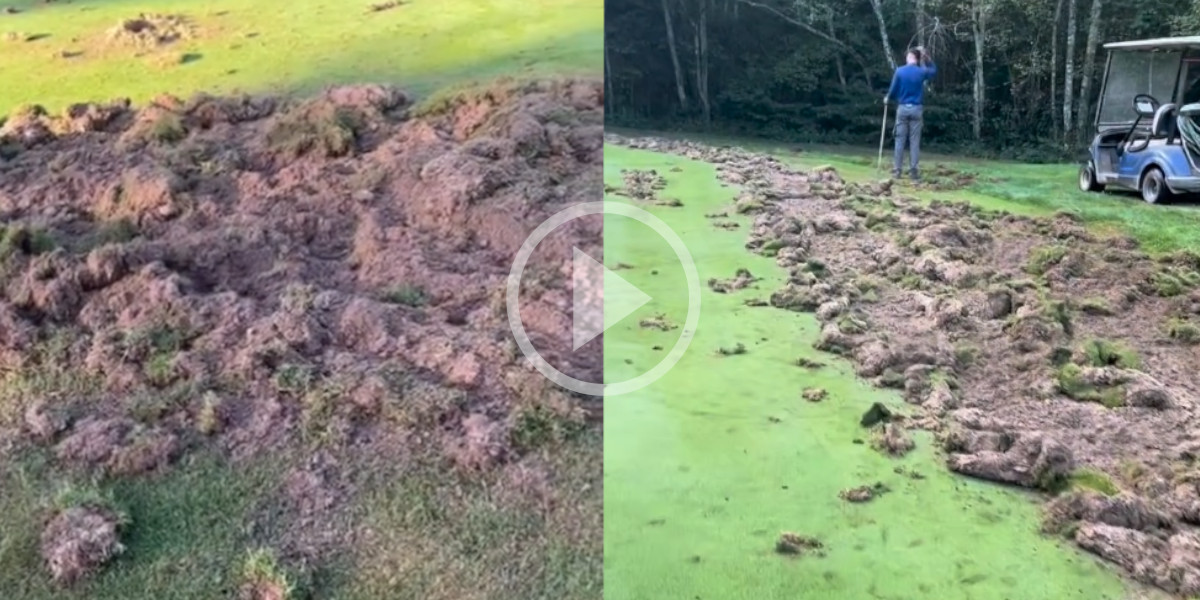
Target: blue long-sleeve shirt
908 84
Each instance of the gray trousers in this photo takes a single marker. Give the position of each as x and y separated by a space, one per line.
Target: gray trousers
909 118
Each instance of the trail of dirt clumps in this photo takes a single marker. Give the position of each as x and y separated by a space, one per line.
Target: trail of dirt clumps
1041 355
243 271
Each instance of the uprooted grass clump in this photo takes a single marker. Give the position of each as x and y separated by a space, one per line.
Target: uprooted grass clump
1043 258
1072 384
83 535
316 127
264 578
413 296
737 349
796 544
1170 282
1094 480
1183 331
1106 353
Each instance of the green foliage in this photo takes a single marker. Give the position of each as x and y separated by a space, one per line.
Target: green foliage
19 239
1105 353
1183 330
1094 480
1071 383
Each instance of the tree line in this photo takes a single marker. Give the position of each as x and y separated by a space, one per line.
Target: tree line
1016 77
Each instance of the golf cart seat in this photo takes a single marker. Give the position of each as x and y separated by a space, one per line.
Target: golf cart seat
1165 124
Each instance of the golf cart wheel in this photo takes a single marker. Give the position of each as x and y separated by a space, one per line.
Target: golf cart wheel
1154 187
1087 178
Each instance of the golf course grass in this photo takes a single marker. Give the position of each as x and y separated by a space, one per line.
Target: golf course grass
61 52
707 466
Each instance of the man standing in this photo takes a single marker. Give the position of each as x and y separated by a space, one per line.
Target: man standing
908 90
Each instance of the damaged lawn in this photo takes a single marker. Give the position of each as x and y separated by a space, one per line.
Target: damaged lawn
744 459
277 366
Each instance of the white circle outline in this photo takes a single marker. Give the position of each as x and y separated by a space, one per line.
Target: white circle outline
514 286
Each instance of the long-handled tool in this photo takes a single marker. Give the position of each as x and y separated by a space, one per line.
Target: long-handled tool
882 134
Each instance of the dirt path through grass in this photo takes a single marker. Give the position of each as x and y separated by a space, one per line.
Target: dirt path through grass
705 468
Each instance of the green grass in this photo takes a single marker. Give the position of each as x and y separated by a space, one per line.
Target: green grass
186 532
707 466
436 535
1094 480
421 46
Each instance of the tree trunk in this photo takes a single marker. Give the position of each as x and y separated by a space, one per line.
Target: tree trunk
1054 66
921 23
883 36
683 100
978 31
1069 75
1089 66
700 43
837 57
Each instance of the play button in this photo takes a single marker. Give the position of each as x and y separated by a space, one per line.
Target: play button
595 313
596 310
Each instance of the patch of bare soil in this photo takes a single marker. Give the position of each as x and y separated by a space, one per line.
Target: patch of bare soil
1030 346
151 30
245 272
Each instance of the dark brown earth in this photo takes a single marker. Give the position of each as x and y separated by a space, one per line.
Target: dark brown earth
238 273
1032 347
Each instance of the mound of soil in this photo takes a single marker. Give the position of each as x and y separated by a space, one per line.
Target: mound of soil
242 272
1010 336
150 30
80 540
642 185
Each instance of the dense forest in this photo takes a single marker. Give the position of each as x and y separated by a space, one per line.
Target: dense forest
1016 77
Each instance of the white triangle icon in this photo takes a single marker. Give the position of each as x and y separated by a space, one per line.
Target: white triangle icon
595 310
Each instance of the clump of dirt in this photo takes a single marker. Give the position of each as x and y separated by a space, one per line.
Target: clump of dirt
740 280
382 6
78 541
864 493
943 177
892 439
797 545
151 30
642 185
814 394
1009 336
659 322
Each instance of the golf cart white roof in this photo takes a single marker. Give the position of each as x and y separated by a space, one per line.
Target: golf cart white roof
1192 41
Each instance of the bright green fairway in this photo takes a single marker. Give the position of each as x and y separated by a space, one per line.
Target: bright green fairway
57 53
706 467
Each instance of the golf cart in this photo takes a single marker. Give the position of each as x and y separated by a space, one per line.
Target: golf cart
1148 120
